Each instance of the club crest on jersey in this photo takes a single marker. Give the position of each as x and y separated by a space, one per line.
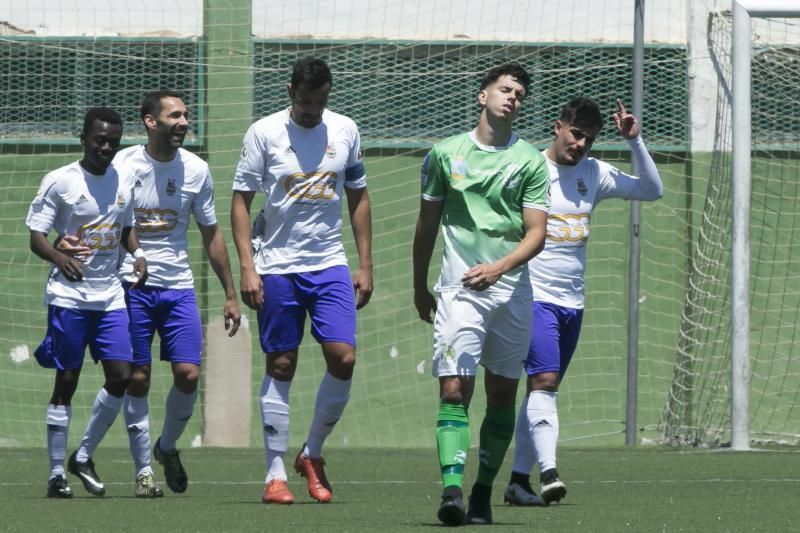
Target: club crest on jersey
582 187
171 189
330 151
458 169
244 152
120 200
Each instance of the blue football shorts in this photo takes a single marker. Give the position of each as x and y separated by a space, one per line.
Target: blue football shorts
174 314
326 296
555 336
70 331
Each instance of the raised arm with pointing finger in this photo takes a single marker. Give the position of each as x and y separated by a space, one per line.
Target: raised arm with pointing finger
578 183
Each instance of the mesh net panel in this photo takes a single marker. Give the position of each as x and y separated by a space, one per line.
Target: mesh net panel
49 83
410 99
404 94
698 409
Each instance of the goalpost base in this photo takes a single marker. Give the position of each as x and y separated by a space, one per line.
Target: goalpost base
227 402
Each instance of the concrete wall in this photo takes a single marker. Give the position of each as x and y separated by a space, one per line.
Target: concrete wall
517 20
667 21
109 17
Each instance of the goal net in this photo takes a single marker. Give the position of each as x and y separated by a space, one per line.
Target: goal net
698 408
408 74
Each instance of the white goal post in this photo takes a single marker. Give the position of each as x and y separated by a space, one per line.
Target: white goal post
743 11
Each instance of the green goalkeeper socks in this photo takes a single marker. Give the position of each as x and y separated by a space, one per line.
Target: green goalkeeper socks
452 440
496 433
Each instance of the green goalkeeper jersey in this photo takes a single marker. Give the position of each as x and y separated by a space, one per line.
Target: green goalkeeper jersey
484 189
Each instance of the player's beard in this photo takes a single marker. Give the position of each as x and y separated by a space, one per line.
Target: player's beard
177 136
309 121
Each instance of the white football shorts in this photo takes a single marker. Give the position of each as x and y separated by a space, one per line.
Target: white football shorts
471 328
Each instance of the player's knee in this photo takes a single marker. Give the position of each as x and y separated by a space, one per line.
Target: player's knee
66 382
341 367
348 360
186 372
500 397
139 384
186 378
64 390
452 394
282 365
281 369
452 397
453 389
116 385
547 381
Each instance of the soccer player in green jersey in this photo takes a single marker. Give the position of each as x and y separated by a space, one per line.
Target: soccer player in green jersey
489 190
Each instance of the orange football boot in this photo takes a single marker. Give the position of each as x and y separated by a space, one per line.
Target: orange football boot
313 470
277 491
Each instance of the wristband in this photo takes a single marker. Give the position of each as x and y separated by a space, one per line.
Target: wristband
138 253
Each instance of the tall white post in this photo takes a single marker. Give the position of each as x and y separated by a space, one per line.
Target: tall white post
743 10
740 215
634 242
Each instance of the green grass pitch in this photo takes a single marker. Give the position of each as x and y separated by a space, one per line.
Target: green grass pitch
610 490
381 457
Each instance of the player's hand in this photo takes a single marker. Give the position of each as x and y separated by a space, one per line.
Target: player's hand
233 317
252 289
139 273
425 304
362 285
626 123
71 268
481 277
71 245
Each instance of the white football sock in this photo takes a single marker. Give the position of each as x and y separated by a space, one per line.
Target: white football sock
104 412
332 398
57 420
543 426
275 425
178 411
524 453
137 422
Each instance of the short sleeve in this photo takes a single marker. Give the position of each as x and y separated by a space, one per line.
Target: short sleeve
355 176
432 178
203 207
252 163
129 216
44 207
536 194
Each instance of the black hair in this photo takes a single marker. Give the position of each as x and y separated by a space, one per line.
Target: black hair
312 71
103 114
512 69
582 111
151 105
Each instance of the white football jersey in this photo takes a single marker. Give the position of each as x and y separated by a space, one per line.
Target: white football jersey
303 172
557 273
164 195
72 201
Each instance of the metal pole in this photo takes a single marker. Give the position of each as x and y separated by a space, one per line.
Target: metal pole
740 216
634 240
